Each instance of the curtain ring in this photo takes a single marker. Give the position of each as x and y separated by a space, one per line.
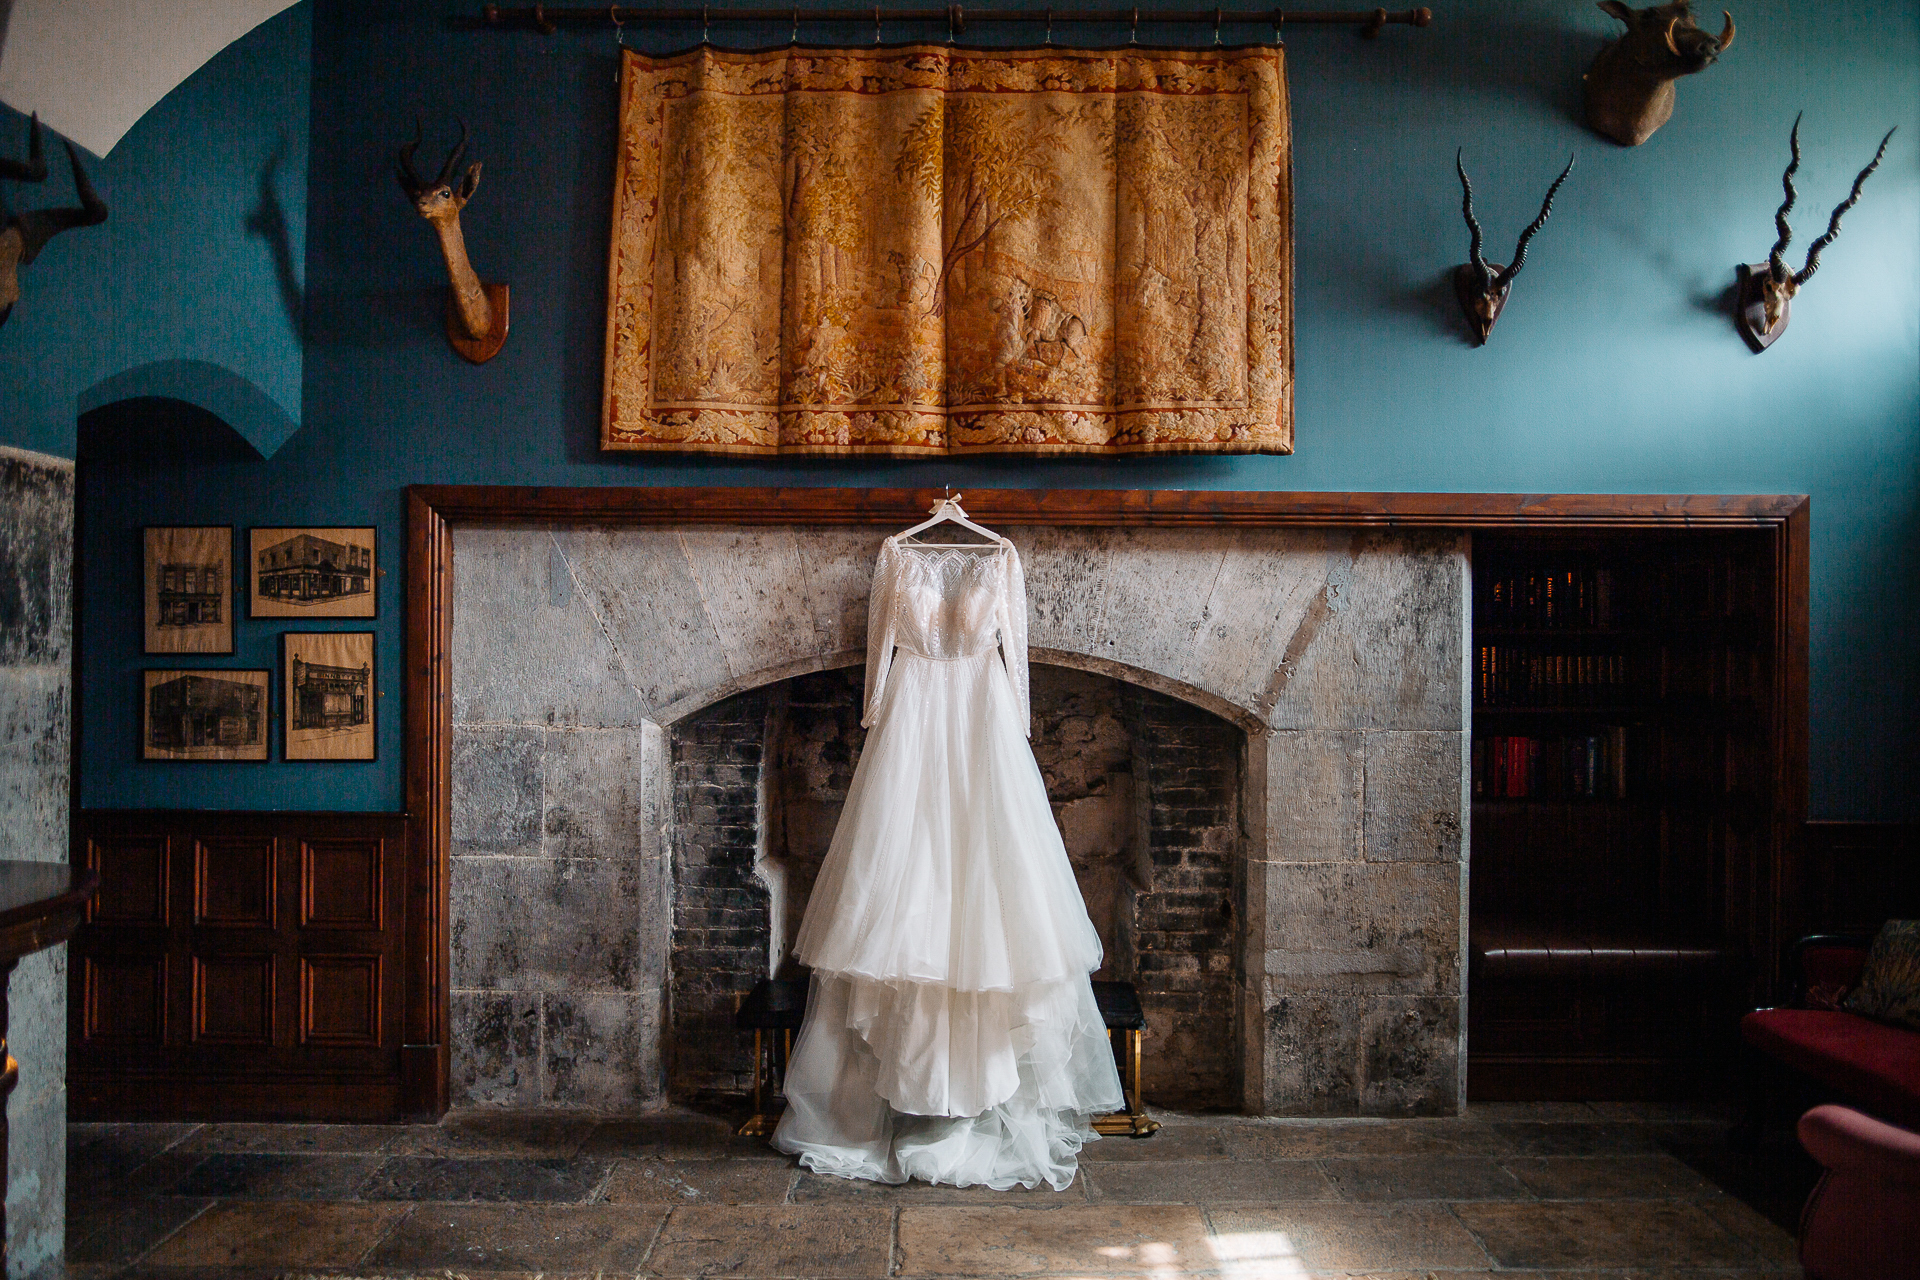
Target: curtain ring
1216 26
1049 24
876 24
1279 17
1133 37
795 37
703 25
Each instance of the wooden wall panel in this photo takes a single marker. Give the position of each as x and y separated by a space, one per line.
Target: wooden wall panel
341 884
243 966
133 880
233 882
122 1001
233 999
340 1000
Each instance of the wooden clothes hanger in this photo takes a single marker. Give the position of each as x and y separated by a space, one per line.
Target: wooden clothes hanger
947 510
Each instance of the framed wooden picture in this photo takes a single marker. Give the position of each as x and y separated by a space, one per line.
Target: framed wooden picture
187 574
320 572
328 694
205 714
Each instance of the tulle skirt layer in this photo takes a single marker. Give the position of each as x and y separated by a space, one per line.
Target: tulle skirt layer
875 1061
946 866
951 1034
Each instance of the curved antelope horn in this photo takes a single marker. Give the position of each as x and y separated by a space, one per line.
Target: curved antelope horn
1669 34
1839 211
34 167
453 158
1726 32
1473 226
41 225
1776 261
409 180
1546 210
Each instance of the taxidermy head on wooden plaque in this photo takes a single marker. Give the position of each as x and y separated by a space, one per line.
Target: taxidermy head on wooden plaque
24 235
1482 286
1630 84
1766 289
476 312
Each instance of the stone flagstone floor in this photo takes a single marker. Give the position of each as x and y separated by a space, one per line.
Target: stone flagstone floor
1520 1190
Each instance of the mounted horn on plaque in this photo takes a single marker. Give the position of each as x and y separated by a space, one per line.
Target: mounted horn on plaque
476 312
1482 286
1766 289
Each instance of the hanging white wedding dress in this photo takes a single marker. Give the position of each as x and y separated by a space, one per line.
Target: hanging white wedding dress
951 1033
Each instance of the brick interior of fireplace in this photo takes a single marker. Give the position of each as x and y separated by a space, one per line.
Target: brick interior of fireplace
1146 790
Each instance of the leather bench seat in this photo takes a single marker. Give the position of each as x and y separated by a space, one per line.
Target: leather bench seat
1870 1062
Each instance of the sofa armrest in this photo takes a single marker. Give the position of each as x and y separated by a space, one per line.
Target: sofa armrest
1848 1142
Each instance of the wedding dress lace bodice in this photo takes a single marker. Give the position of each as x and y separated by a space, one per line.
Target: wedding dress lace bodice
946 604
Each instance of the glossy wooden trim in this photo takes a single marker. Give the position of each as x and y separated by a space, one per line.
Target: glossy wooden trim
510 505
427 708
433 511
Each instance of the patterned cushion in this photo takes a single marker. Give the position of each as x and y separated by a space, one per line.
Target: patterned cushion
1890 984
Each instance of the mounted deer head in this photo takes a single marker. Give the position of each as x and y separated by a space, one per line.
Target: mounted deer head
1766 288
24 235
1482 286
476 313
1630 84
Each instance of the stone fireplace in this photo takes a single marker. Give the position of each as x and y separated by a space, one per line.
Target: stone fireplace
1254 741
1146 790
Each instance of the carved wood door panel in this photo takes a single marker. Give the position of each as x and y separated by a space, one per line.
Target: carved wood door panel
239 965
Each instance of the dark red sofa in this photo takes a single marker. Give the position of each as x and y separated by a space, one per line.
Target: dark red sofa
1871 1065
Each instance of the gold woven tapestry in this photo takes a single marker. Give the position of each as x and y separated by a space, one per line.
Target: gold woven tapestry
919 249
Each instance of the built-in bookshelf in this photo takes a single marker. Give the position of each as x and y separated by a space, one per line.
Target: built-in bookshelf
1621 783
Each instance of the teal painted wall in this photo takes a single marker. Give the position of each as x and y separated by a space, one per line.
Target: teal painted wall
1615 368
192 286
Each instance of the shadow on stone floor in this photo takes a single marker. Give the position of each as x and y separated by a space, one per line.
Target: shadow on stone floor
1511 1191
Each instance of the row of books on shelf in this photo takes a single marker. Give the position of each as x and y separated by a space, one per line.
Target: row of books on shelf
1513 675
1511 767
1541 600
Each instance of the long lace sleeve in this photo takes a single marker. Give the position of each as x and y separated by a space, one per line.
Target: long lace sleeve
879 629
1013 634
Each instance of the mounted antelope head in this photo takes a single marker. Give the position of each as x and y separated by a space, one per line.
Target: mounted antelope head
24 235
1482 286
476 312
1766 288
1630 84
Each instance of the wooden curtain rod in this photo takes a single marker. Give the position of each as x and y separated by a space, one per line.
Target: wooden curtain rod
547 18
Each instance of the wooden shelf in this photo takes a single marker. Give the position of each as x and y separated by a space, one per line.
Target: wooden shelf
1688 852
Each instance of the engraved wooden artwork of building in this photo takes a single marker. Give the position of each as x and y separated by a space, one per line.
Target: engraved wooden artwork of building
305 570
327 697
189 595
205 711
